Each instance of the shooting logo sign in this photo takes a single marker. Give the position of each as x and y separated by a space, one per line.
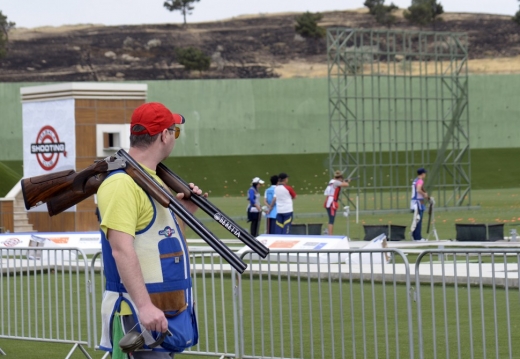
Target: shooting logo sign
48 148
11 242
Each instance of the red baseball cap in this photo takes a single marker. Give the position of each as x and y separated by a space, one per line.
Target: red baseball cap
154 117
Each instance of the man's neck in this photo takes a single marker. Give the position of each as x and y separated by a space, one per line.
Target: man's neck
145 157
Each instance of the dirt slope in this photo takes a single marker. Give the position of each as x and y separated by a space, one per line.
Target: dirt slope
243 47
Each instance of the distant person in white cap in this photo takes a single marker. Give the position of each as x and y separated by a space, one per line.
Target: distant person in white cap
254 210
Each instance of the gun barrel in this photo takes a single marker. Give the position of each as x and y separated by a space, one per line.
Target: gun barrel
143 179
175 182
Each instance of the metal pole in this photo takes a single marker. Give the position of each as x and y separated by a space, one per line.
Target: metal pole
357 209
346 214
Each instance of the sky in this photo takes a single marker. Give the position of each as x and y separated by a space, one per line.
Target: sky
36 13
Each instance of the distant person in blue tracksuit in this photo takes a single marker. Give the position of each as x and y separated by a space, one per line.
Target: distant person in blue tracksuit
270 202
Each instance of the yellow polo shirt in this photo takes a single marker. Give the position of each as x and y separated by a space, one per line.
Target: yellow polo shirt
123 205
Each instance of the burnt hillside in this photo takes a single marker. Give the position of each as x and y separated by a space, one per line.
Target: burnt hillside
245 47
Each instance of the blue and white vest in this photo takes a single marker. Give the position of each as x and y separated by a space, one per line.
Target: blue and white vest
417 198
165 265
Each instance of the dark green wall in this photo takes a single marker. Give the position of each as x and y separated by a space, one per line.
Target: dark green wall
276 116
231 175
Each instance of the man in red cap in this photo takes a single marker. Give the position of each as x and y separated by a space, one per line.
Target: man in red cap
145 257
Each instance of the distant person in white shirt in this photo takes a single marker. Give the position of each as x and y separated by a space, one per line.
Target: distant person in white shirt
284 201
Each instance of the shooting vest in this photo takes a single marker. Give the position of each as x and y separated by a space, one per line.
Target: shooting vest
332 196
417 198
164 260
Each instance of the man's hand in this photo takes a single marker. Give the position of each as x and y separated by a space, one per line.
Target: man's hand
152 318
189 205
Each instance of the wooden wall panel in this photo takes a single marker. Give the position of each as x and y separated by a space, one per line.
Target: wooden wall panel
86 141
86 221
87 205
92 103
111 116
7 215
130 106
82 163
42 222
110 104
85 116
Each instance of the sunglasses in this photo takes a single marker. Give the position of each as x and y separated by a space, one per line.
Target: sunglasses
177 131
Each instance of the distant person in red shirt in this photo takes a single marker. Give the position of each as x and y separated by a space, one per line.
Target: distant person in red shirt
332 192
284 201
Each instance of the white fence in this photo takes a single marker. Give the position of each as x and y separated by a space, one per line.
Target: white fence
45 296
295 304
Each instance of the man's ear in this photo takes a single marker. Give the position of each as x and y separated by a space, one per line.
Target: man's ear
164 133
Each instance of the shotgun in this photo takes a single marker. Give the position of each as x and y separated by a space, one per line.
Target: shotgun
430 214
62 190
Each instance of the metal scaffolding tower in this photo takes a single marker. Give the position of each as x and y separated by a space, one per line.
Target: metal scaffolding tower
398 101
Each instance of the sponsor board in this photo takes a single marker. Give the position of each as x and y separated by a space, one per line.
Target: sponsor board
89 242
11 242
315 243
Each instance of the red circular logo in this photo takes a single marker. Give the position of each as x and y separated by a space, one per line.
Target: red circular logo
48 148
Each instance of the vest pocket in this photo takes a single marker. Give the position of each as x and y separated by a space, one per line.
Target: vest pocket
171 302
172 266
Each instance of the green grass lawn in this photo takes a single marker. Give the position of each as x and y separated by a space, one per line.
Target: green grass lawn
495 206
349 318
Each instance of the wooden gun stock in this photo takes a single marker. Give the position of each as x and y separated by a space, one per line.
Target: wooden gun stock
66 188
36 190
67 199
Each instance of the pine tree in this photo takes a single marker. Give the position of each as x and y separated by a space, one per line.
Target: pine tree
307 25
516 18
423 12
184 6
5 27
381 12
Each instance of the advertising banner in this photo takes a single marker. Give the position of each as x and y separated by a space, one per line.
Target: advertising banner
89 242
49 138
304 242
